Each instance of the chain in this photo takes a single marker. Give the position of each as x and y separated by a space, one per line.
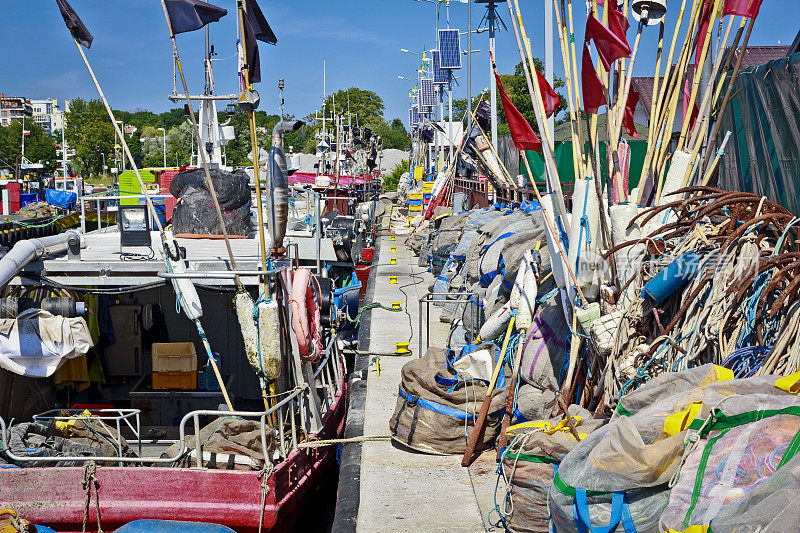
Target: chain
89 480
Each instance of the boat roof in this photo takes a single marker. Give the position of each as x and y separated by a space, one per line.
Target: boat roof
102 262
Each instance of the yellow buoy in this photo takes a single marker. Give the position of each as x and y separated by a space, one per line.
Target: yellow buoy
402 347
396 305
392 280
393 261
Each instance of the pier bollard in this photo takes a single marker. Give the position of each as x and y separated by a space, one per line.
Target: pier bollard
397 305
401 348
393 249
392 280
393 261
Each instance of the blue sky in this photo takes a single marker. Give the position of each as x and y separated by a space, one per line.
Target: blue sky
359 39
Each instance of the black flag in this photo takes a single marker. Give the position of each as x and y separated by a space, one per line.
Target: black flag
256 27
75 24
190 15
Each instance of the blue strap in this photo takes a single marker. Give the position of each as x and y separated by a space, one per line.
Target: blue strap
441 409
627 519
501 237
581 512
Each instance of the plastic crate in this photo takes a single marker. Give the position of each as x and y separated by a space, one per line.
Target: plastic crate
174 357
175 380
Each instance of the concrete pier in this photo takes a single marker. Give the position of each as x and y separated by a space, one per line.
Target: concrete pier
401 489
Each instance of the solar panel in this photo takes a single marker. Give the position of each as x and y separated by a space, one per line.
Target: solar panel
450 49
440 76
427 96
414 116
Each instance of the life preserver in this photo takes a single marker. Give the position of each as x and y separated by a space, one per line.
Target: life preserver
306 317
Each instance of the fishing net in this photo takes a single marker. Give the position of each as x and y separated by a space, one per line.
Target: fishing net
528 464
436 406
195 214
744 443
545 353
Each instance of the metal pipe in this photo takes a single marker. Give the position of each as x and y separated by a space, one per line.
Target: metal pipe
25 252
282 127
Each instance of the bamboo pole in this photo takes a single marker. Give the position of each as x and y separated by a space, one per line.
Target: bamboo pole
717 159
574 75
699 68
728 94
655 113
203 158
554 183
149 202
668 98
577 158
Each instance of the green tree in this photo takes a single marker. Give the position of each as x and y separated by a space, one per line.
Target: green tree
90 133
365 107
394 135
39 147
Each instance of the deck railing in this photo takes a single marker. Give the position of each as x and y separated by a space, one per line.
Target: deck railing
327 384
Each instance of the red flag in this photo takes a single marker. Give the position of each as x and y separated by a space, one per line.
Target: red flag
25 133
705 20
593 93
630 109
549 95
610 46
521 132
745 8
617 22
687 95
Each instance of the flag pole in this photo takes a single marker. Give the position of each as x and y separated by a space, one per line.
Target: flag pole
203 157
152 208
577 158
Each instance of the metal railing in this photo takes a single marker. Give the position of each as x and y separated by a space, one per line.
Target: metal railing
99 200
470 298
99 416
327 381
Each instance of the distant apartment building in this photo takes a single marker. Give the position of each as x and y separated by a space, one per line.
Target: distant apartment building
47 114
14 109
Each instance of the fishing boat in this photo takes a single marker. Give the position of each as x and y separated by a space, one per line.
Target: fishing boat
198 374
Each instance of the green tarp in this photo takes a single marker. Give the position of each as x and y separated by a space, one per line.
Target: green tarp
566 169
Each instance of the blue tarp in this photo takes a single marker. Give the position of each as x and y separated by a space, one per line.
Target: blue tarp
65 199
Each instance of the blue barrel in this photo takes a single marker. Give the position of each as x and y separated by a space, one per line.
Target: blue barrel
675 276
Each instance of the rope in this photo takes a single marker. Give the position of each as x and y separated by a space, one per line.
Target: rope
264 475
333 442
90 480
373 305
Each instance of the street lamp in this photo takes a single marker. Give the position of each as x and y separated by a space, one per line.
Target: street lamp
165 145
104 166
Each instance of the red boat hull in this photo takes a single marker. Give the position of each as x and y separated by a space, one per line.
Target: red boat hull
54 497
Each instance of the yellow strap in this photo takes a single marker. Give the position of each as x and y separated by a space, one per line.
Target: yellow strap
691 529
677 422
723 374
790 384
545 427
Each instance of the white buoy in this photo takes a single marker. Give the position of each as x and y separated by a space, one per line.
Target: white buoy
556 260
269 336
184 289
527 302
245 308
677 170
584 239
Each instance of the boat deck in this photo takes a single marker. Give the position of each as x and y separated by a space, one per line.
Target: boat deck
401 489
102 263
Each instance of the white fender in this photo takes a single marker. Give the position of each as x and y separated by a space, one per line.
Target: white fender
184 289
496 324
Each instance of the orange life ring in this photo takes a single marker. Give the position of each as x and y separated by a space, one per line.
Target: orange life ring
305 318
